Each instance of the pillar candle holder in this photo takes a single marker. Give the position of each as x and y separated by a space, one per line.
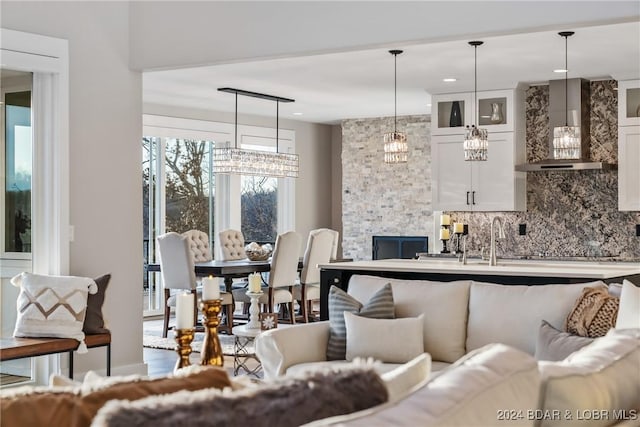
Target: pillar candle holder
444 241
254 310
211 348
184 338
444 247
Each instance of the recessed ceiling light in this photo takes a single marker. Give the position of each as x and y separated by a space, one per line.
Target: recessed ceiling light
449 79
297 114
560 70
428 105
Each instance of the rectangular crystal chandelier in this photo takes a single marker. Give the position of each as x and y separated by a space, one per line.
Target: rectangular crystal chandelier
240 161
566 142
253 162
476 144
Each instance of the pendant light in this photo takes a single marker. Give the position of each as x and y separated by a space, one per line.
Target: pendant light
395 143
238 161
566 139
476 142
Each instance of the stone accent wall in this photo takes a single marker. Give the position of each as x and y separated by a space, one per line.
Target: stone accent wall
568 213
384 199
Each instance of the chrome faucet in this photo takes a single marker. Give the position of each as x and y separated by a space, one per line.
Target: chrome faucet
492 253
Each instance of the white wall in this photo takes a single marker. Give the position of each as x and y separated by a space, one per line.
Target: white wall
170 34
313 145
105 127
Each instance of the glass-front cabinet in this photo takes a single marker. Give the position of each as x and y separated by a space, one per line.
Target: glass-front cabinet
452 112
629 103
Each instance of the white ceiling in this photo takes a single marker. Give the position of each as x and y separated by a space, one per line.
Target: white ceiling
331 87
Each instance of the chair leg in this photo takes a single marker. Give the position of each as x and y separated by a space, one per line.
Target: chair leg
167 313
229 318
303 303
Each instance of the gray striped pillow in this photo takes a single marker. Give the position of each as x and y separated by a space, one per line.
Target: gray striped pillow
380 306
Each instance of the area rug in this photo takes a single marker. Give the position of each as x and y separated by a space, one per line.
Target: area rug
169 343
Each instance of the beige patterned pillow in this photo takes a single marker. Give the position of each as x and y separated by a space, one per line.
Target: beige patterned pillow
52 306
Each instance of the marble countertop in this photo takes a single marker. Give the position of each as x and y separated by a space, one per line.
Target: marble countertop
505 267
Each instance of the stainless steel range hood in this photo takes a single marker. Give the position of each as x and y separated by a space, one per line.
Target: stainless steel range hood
579 111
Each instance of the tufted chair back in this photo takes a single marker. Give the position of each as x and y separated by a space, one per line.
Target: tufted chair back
199 245
232 245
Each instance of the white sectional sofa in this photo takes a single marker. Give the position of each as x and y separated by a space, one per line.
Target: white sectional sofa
458 317
488 332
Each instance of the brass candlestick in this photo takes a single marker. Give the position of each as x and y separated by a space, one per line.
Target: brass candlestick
184 338
211 348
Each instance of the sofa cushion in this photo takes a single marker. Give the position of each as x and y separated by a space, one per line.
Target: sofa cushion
379 305
77 406
594 313
512 314
408 377
629 312
283 402
601 378
555 345
444 305
488 387
387 340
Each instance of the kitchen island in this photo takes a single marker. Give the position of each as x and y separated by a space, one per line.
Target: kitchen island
507 272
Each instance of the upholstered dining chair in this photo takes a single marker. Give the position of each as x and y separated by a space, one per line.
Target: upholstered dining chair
282 275
199 245
320 249
178 273
232 245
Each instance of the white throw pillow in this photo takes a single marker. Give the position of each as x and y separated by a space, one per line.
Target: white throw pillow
52 306
386 340
406 378
601 380
629 310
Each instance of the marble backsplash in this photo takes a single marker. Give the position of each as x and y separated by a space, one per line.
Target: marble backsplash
573 214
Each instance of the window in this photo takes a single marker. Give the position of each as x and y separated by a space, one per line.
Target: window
181 193
17 164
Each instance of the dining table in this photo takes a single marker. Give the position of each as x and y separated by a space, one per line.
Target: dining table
227 270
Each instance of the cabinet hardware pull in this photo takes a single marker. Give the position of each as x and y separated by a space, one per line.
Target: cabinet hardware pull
473 197
467 197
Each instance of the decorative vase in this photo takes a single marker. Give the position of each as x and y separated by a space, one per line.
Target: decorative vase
456 115
496 113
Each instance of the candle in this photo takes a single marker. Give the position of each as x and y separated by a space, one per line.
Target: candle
458 227
445 219
444 234
210 289
184 311
255 282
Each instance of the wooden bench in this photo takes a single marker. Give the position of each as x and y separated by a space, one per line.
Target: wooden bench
19 348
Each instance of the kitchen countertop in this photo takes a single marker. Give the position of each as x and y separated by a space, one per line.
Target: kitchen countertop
506 267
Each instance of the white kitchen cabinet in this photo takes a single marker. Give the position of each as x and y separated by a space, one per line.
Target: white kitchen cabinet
494 185
629 145
629 168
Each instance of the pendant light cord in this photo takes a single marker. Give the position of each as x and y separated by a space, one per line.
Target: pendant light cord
566 73
277 123
395 92
236 127
475 83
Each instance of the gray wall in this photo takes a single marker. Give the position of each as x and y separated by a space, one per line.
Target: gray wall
105 125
